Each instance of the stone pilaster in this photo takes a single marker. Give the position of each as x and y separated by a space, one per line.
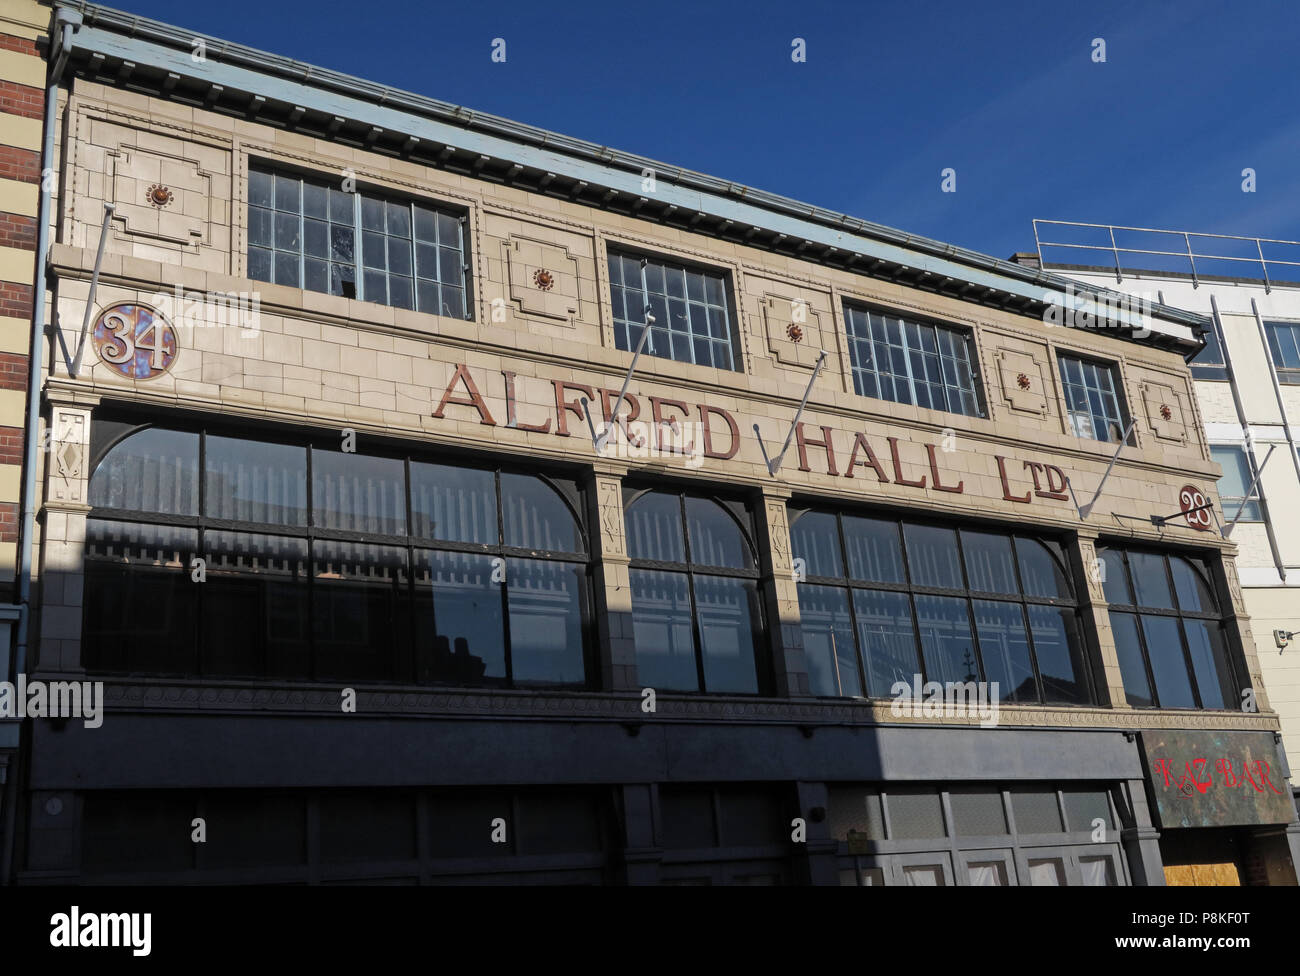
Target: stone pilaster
781 596
615 639
1094 613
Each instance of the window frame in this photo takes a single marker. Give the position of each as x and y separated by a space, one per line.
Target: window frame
1286 375
1218 617
1231 503
969 596
311 534
458 213
1211 370
632 493
1113 370
623 328
851 308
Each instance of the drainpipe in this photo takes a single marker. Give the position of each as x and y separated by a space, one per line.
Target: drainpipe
66 23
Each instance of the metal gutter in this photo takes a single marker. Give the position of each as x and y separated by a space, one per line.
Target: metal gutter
113 34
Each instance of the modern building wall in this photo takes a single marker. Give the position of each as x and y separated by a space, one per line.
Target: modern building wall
595 779
1268 565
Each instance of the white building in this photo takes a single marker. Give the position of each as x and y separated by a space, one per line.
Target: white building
1247 383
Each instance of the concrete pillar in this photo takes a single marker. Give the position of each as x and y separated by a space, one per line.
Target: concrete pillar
821 849
1141 839
641 852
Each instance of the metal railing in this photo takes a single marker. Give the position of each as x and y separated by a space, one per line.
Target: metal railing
1181 258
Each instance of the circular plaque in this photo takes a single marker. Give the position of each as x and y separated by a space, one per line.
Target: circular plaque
134 340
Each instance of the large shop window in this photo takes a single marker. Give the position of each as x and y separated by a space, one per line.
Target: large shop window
912 362
307 233
1170 636
689 304
883 601
695 604
327 565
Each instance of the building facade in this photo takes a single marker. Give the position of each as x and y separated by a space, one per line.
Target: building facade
444 500
22 109
1247 383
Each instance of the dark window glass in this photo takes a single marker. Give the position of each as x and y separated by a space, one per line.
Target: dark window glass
255 606
361 606
1173 637
1093 401
247 829
1132 665
1209 363
828 640
317 605
453 504
152 470
252 481
535 517
545 598
694 631
875 555
816 536
946 642
932 556
129 831
1027 641
459 619
358 493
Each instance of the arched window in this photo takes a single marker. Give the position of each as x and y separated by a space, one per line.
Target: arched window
300 560
695 605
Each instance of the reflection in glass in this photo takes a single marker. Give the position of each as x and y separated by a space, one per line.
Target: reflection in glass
545 600
875 555
460 635
654 528
360 610
990 567
727 609
716 539
932 556
1114 578
254 481
946 640
1004 647
887 639
1040 569
1137 690
1149 580
358 492
828 641
1165 648
152 470
1194 593
661 624
453 504
1059 653
815 539
535 517
1210 663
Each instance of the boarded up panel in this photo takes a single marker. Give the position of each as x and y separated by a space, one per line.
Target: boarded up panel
1203 875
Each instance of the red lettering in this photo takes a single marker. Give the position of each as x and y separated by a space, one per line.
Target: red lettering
1006 488
475 399
898 467
1055 484
934 471
860 444
511 419
705 412
607 398
802 443
563 407
657 405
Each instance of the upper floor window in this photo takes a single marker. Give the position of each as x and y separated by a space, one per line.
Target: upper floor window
912 362
692 314
1169 633
1092 398
1284 344
1209 363
321 564
305 233
882 601
695 603
1235 482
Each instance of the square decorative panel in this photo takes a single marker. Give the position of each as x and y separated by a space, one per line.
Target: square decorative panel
543 279
1021 376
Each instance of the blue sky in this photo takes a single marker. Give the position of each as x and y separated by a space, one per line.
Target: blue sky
1006 93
